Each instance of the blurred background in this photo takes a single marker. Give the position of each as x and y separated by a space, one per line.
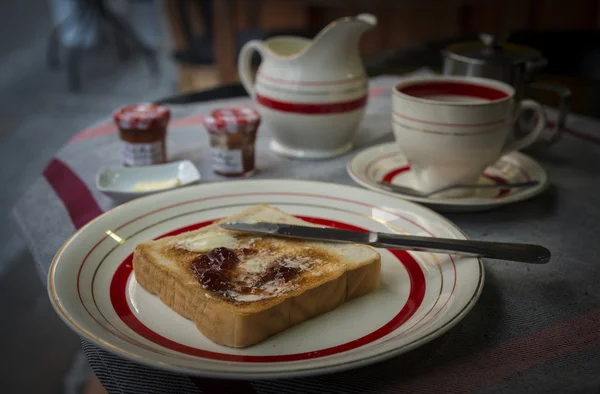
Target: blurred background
66 64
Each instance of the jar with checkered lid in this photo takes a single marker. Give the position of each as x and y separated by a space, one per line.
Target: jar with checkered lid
143 132
232 133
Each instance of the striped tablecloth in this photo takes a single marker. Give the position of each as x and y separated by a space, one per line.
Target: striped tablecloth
534 330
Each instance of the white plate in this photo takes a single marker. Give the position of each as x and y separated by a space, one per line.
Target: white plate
119 183
421 296
385 162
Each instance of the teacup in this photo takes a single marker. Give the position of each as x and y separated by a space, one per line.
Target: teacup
451 128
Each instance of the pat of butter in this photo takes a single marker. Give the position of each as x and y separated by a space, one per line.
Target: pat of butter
155 185
205 242
255 265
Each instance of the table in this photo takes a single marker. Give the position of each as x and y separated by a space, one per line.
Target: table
534 329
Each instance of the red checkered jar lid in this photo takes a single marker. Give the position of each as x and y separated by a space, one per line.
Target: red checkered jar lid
232 120
142 116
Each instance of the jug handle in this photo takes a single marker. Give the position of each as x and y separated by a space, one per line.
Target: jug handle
244 66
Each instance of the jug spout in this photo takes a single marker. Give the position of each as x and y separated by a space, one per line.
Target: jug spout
339 41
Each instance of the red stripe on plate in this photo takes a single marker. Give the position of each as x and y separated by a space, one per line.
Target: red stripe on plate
72 191
500 181
308 108
463 89
118 296
392 174
123 225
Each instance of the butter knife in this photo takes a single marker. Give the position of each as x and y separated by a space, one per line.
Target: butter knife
525 253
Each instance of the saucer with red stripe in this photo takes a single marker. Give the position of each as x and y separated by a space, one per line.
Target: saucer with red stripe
385 163
421 295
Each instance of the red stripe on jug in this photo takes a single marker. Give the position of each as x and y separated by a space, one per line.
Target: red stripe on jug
312 108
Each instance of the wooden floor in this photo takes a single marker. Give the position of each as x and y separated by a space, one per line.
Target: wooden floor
94 386
193 78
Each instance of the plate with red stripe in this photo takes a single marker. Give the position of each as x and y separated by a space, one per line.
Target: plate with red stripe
384 162
420 295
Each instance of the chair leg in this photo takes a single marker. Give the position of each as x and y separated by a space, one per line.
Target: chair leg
73 57
225 41
108 30
122 50
52 52
126 32
54 41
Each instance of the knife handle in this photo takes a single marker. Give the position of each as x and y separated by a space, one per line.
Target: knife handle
525 253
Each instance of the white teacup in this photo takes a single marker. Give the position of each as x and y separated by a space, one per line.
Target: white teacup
451 128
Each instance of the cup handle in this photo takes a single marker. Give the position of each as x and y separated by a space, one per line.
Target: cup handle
244 65
535 133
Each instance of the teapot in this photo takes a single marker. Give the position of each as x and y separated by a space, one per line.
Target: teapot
493 57
311 94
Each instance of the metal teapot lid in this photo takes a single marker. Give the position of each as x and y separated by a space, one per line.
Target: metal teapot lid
492 49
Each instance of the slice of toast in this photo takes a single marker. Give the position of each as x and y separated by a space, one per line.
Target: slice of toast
272 284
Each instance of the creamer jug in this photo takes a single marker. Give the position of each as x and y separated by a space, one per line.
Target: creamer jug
311 94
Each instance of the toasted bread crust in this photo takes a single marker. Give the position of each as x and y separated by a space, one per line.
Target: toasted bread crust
245 324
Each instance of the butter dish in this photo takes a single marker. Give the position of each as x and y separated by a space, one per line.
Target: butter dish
126 183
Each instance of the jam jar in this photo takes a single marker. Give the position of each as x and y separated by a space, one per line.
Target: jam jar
232 133
143 131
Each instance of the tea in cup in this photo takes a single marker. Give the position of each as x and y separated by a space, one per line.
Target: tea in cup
451 128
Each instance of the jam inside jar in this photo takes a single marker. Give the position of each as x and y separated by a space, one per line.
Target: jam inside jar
143 132
233 154
232 133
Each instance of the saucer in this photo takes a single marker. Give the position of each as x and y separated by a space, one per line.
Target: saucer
126 183
384 163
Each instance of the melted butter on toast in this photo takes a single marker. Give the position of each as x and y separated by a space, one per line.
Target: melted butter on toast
205 242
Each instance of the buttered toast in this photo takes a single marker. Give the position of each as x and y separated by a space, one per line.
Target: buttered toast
240 289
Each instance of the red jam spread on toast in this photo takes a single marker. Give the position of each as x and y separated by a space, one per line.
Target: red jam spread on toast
279 271
214 280
214 269
217 269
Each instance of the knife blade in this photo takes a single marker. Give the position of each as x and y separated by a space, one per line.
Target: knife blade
526 253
